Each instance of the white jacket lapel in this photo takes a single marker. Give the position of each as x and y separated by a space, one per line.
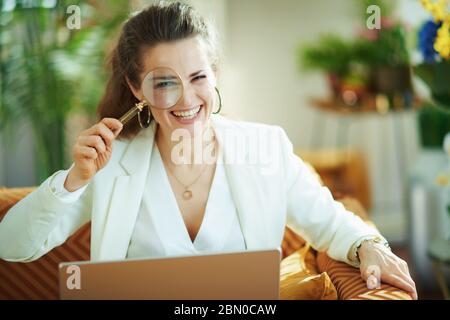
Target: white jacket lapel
245 189
126 196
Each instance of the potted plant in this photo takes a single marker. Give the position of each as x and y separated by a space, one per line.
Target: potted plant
385 52
48 72
373 62
434 45
332 55
434 70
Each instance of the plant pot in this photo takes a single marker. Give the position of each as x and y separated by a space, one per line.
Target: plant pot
437 78
335 83
433 124
392 80
352 94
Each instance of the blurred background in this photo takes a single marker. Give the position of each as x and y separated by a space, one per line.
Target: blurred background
366 101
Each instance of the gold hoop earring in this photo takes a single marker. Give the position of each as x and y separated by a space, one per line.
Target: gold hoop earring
220 101
141 106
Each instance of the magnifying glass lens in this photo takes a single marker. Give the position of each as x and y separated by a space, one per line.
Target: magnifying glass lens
162 88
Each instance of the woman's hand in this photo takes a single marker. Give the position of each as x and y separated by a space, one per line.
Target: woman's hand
379 264
92 151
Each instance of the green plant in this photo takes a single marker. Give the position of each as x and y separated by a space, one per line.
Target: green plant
386 48
49 71
355 60
437 78
434 43
33 89
434 124
331 54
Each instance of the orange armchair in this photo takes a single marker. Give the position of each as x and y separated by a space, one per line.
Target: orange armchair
39 279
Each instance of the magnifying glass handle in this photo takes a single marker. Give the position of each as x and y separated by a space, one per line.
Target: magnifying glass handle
130 114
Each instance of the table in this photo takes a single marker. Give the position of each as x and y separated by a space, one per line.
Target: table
376 106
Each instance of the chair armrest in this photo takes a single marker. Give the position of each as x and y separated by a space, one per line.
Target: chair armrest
38 280
10 196
350 285
347 279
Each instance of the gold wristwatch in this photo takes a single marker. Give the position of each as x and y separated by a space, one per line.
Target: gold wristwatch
373 239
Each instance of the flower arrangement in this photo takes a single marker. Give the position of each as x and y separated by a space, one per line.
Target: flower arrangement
427 35
434 45
439 11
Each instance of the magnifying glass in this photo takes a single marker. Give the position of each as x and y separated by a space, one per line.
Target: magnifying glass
162 88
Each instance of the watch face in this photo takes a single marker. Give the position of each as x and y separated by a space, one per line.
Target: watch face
381 241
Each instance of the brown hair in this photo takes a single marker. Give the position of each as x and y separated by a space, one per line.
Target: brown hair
163 22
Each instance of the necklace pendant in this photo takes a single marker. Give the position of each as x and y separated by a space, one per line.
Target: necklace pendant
187 194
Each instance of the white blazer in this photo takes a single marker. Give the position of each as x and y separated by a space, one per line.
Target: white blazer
265 202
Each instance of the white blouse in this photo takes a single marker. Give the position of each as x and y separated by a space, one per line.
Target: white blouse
263 203
160 229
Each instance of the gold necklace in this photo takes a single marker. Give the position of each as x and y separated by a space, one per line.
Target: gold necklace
187 193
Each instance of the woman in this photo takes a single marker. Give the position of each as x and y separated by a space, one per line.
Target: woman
192 182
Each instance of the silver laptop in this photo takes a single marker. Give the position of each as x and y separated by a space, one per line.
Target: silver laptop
249 275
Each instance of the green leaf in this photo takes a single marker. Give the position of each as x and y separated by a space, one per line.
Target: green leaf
437 77
330 54
44 77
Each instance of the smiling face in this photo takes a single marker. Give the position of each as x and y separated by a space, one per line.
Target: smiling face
188 60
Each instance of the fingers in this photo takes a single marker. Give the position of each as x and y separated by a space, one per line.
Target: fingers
392 271
387 267
373 270
403 272
95 142
408 279
373 282
373 277
103 131
399 282
113 124
407 283
87 152
404 267
107 128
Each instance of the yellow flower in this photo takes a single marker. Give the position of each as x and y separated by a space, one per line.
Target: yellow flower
442 43
438 9
442 180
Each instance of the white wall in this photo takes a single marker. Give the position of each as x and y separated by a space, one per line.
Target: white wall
262 83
